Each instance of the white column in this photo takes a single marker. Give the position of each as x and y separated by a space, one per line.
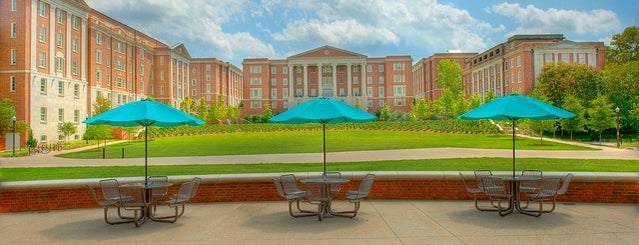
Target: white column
349 81
291 92
320 84
334 70
363 82
305 74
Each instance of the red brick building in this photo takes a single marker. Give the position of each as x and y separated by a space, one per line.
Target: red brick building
425 73
513 66
57 56
369 83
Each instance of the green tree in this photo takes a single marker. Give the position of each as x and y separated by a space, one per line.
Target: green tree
490 95
624 47
449 79
202 110
601 115
65 129
419 110
562 79
474 101
188 105
219 112
577 123
384 114
129 131
540 125
268 113
97 132
6 113
622 82
101 105
233 112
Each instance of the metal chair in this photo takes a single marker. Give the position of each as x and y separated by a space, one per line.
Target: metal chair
106 204
335 188
316 194
355 196
111 191
134 200
291 198
185 194
547 192
497 191
158 194
479 174
289 183
564 185
530 186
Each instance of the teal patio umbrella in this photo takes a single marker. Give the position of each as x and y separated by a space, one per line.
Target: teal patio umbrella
324 111
515 107
144 113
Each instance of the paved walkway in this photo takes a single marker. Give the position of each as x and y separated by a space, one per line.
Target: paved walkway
379 222
49 160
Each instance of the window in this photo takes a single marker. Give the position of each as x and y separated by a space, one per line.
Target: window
285 70
381 80
60 115
256 93
273 82
61 88
355 68
59 15
355 80
518 61
119 65
298 80
43 85
43 115
76 116
13 84
42 59
369 80
547 58
75 45
208 77
13 29
327 69
565 58
581 58
370 103
43 9
369 68
273 70
13 5
161 60
398 78
43 34
119 47
399 102
74 68
98 78
76 91
518 76
256 81
356 91
369 91
98 38
142 55
285 81
256 69
76 22
142 70
398 66
58 39
256 105
14 56
399 90
208 88
284 93
208 67
298 69
298 92
380 92
313 92
380 68
118 82
193 92
193 82
273 93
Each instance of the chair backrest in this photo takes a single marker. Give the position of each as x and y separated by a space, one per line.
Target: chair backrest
564 185
533 173
110 189
333 175
493 185
479 174
185 192
196 186
289 182
279 188
159 190
549 186
133 196
465 184
314 192
365 186
92 193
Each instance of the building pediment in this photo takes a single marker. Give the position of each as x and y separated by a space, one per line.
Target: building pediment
566 44
181 50
327 52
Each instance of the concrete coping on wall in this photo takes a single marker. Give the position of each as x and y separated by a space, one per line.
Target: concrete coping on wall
266 177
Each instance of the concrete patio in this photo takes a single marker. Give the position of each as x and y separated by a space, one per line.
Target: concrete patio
379 222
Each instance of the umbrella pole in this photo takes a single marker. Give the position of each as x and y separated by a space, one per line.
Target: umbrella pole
513 148
324 138
146 146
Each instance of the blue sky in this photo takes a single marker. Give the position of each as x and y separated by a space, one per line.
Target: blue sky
232 30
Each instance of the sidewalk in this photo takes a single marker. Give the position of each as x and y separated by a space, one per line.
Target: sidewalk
378 222
49 160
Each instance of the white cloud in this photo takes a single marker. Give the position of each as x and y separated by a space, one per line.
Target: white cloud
197 22
422 24
535 20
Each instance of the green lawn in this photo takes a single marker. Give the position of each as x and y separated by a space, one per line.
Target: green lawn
457 164
311 142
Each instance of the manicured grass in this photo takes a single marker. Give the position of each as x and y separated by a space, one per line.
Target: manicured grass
456 164
311 142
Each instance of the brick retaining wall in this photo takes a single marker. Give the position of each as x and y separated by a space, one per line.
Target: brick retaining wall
69 194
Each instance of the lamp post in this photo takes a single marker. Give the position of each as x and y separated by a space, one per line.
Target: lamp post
617 110
13 121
